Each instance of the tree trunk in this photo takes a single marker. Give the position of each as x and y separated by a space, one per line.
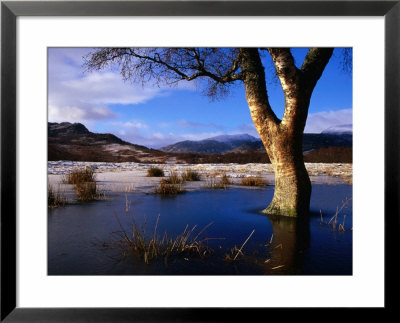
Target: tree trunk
282 139
292 184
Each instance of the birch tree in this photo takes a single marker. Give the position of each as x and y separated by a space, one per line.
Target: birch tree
217 69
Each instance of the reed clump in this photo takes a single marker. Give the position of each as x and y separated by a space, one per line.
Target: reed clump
167 188
135 241
217 180
87 191
84 180
54 199
253 181
174 179
155 172
190 176
80 175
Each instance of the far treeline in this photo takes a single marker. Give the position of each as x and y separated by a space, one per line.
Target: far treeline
321 155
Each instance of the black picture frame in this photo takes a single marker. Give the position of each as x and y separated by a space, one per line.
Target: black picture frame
10 10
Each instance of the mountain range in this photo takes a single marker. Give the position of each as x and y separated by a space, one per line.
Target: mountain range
244 142
344 129
73 141
213 145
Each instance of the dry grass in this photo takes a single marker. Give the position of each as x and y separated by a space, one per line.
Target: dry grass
253 181
224 179
217 180
167 188
174 178
155 172
85 184
235 251
190 176
54 199
79 176
348 178
88 192
333 221
134 241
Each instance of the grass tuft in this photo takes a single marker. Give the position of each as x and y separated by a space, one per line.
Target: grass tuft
79 176
253 181
190 176
54 199
174 178
155 172
224 180
167 188
87 191
217 180
134 241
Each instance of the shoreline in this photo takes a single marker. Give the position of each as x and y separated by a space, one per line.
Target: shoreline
132 177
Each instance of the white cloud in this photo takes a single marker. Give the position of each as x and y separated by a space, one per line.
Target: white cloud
74 113
130 124
78 97
317 122
102 88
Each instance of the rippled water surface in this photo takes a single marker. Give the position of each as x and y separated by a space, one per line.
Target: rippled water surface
82 238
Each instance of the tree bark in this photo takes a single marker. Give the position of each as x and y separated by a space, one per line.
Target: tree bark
282 139
292 184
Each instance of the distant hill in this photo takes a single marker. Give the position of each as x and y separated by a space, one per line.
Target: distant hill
213 145
73 141
232 139
324 140
244 142
344 129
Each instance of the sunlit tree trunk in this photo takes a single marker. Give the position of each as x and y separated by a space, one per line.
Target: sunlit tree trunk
292 184
283 138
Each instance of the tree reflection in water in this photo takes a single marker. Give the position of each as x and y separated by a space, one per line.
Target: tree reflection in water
291 240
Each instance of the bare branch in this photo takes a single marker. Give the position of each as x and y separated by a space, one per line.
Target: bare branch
314 64
256 90
298 84
285 68
171 65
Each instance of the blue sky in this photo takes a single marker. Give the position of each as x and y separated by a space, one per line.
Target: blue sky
156 117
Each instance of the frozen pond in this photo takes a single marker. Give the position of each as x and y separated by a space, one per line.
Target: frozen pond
81 235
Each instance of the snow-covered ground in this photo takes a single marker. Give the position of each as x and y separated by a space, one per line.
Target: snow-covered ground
120 177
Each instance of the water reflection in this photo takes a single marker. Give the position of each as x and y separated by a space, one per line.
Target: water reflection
298 246
291 240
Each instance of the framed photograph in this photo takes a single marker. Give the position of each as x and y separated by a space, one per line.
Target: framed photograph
196 154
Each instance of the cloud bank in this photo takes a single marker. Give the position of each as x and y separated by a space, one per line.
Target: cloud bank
320 121
77 97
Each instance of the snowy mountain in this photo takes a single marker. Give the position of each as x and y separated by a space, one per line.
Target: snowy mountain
232 138
243 143
344 129
213 145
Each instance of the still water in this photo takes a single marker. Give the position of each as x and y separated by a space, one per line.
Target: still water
80 235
